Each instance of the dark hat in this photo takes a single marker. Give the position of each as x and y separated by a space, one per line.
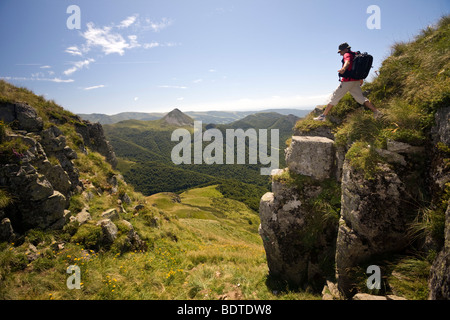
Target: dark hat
343 46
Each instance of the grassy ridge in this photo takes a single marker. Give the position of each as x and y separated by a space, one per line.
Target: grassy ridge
201 245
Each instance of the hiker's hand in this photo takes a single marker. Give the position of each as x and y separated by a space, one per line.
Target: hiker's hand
341 71
361 82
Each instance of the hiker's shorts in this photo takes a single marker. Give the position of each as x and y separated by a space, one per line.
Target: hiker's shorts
349 86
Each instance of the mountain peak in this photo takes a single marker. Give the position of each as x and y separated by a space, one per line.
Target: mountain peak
177 118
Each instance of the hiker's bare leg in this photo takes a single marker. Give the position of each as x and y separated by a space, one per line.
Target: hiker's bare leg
327 109
369 105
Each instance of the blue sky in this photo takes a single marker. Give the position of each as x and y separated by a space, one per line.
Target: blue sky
155 55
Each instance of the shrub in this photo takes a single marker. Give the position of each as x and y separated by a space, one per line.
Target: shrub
5 199
89 235
363 156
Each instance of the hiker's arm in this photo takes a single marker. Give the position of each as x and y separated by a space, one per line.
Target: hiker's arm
344 67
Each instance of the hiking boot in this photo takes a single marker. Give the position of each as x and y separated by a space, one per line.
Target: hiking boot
377 114
320 118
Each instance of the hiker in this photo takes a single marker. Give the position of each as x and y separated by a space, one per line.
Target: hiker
347 84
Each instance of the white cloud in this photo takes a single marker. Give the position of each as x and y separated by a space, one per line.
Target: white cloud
157 26
133 41
151 45
45 67
74 51
108 41
95 87
212 70
113 39
172 87
197 81
78 65
59 80
136 98
127 22
180 99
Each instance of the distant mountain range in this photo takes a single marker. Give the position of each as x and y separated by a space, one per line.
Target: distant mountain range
143 149
216 117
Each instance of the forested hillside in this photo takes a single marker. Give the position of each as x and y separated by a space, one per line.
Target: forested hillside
144 152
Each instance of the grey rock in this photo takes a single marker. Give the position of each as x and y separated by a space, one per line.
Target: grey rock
31 253
6 230
109 231
292 247
53 140
439 281
373 220
139 207
401 147
441 130
322 131
391 156
39 187
125 198
94 138
111 214
25 116
83 216
311 156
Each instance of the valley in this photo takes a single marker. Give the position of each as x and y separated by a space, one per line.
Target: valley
144 152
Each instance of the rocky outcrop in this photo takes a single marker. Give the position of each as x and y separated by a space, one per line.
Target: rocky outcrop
376 212
94 138
298 237
43 178
373 220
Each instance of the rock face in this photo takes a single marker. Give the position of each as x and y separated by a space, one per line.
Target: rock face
373 220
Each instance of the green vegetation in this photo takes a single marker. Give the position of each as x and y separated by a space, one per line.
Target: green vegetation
401 275
144 152
200 245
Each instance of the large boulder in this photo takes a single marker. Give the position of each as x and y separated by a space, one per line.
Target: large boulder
311 156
